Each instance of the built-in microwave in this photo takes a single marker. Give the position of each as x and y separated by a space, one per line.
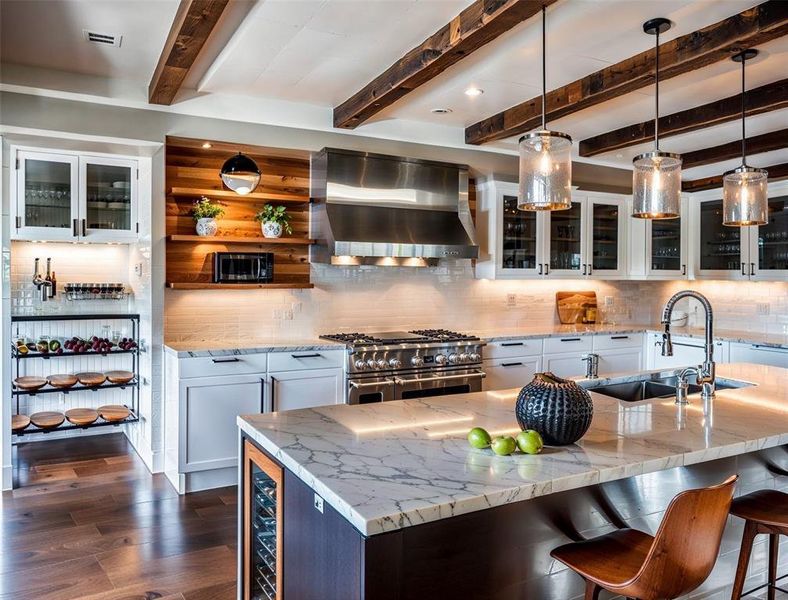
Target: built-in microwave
243 267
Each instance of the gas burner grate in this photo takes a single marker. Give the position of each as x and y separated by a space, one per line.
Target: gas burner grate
351 338
444 335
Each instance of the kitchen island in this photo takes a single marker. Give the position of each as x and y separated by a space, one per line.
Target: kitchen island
389 501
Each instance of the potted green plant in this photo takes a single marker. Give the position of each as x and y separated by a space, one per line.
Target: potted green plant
205 212
274 220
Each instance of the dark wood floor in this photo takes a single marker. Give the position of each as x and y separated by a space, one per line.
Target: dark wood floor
87 520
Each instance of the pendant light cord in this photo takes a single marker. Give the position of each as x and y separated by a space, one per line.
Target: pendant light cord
656 97
743 134
544 67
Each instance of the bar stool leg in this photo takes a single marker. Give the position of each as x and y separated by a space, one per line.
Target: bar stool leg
750 531
774 546
592 591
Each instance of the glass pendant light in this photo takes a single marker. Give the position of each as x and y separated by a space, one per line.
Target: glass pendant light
745 200
656 175
545 160
240 174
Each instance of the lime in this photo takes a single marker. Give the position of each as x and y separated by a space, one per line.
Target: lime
504 445
530 442
479 438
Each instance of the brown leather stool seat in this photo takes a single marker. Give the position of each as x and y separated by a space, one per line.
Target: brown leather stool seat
764 511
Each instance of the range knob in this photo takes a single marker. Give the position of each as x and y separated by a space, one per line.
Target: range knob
454 358
381 364
440 359
464 358
395 363
417 361
474 357
360 365
371 364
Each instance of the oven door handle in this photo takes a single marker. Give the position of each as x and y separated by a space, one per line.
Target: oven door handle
400 381
357 385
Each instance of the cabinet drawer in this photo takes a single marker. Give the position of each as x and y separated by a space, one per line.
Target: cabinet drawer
306 359
508 348
568 343
208 366
618 340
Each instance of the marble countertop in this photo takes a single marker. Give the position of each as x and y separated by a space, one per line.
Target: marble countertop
233 347
396 464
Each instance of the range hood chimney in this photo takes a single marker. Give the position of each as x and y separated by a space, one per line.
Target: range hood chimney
387 210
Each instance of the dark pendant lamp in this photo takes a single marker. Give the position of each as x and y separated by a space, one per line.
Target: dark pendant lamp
656 175
745 200
545 159
241 174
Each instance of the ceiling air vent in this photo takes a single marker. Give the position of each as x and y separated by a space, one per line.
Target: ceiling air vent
105 39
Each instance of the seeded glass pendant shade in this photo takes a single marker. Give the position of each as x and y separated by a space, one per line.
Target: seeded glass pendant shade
656 175
545 160
240 174
745 200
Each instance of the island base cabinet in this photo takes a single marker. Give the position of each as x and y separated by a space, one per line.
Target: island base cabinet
306 389
506 373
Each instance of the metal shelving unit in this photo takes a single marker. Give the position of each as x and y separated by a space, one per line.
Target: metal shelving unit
133 385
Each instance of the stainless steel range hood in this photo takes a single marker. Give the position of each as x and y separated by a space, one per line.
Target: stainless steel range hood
372 208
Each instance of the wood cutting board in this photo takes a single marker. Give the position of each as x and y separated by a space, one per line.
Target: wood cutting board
576 307
91 379
119 376
19 422
113 412
30 383
62 381
81 416
47 419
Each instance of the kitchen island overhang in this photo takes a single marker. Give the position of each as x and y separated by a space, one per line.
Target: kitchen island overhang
400 483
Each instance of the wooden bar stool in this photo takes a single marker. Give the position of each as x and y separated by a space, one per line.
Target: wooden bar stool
672 563
764 511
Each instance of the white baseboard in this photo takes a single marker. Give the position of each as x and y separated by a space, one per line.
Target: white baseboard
7 477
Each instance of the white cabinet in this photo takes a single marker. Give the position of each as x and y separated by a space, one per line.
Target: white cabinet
73 197
506 373
569 364
667 247
306 389
623 360
687 351
759 354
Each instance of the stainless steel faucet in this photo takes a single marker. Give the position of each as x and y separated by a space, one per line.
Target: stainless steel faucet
706 373
592 365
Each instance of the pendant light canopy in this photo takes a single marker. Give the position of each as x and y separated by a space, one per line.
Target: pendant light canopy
545 160
745 200
241 174
656 175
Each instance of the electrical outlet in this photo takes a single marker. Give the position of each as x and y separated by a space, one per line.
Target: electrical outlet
138 269
276 314
609 300
511 300
319 503
762 308
296 307
287 314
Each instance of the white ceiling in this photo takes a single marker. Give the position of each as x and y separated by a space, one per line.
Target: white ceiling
318 52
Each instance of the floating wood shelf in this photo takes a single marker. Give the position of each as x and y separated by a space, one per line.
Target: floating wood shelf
228 239
176 285
230 195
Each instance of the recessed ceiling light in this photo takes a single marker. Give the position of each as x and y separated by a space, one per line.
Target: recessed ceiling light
473 92
206 145
440 111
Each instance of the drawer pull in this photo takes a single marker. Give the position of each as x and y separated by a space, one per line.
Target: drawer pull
315 355
226 360
513 364
512 344
570 339
619 337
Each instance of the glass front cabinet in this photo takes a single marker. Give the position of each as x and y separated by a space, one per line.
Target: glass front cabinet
741 253
587 240
73 197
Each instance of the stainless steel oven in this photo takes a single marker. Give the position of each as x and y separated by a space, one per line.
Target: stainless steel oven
437 383
369 390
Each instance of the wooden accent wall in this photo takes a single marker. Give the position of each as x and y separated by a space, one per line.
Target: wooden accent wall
192 172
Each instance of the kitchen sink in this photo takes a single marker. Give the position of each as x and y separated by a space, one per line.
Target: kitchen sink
653 387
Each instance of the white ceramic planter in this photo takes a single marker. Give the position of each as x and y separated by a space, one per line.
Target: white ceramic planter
206 227
271 229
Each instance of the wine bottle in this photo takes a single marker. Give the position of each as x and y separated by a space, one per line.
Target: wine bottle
53 291
48 278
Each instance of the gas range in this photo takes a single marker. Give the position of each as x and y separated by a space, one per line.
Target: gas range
395 365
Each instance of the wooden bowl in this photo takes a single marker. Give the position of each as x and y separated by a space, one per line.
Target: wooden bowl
29 383
119 376
91 379
19 423
81 416
113 412
62 381
47 419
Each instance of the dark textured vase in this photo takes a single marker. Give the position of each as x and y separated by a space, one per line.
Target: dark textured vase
559 409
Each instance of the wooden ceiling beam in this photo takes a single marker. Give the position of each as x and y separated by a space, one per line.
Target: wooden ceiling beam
708 183
773 96
477 25
774 140
194 21
684 54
